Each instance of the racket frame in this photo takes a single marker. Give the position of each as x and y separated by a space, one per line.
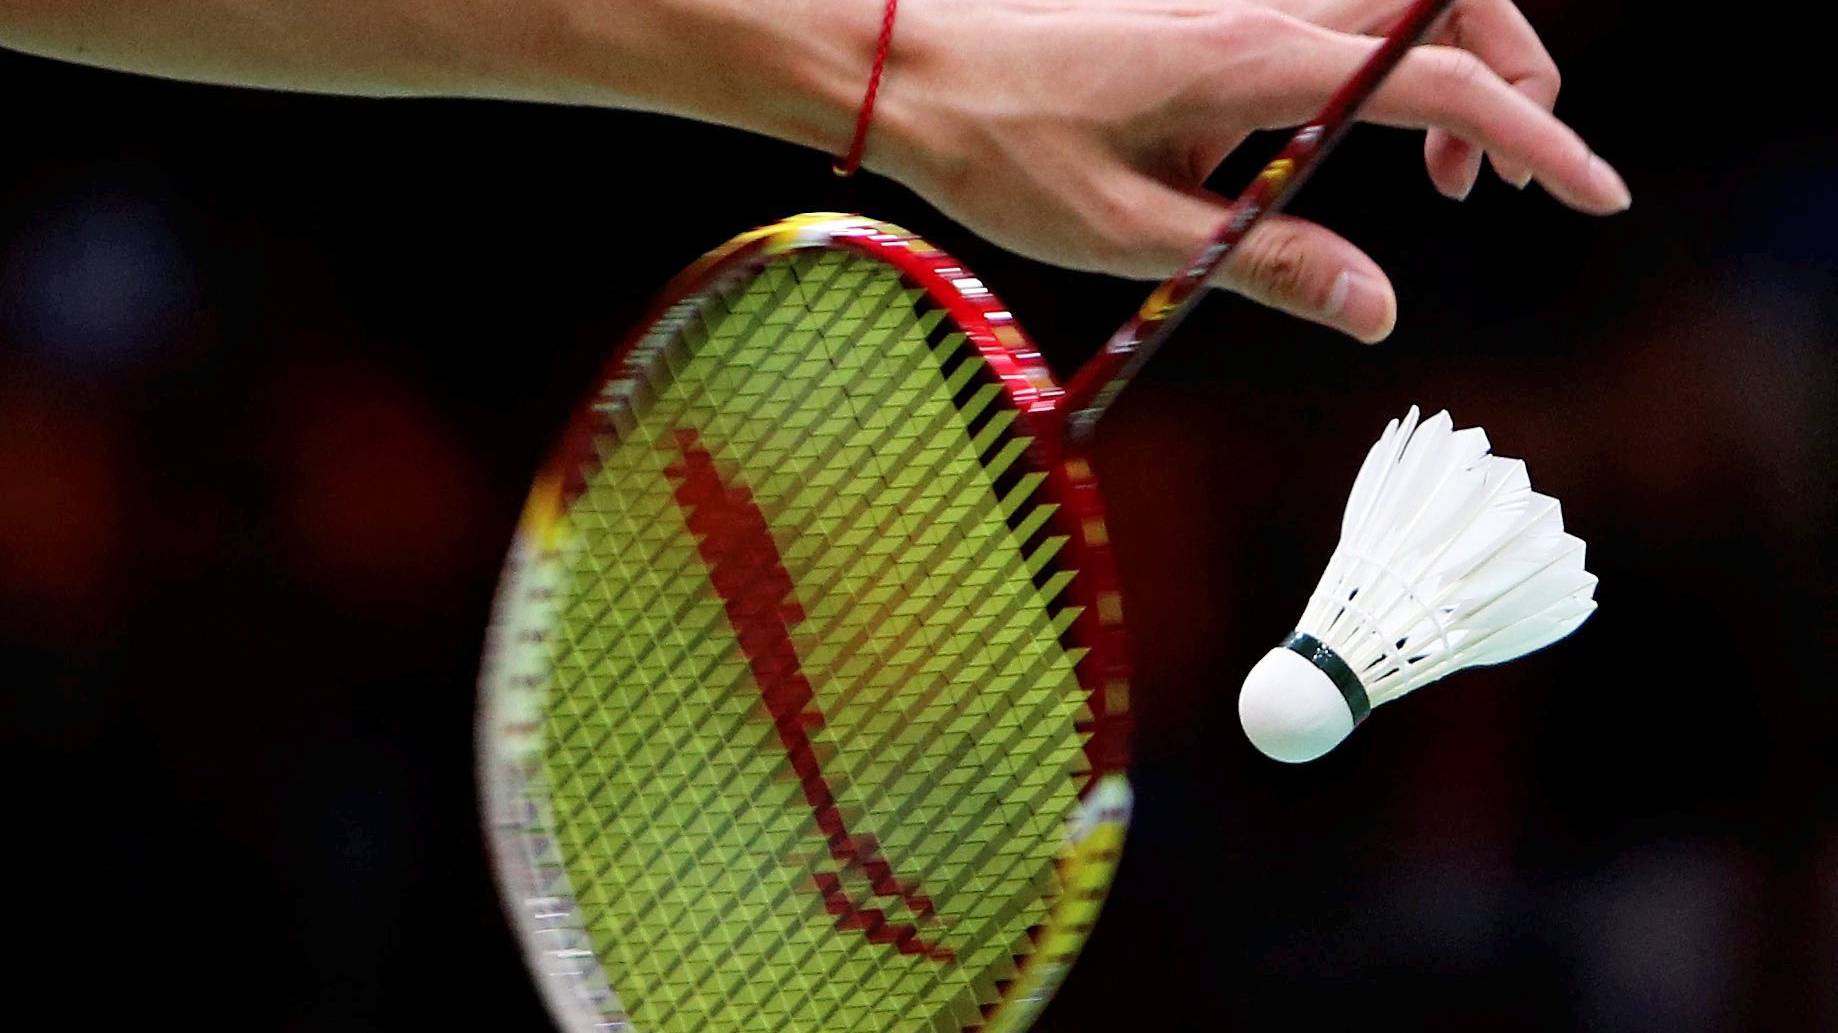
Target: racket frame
519 832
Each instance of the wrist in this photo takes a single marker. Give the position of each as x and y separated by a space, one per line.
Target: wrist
903 134
795 70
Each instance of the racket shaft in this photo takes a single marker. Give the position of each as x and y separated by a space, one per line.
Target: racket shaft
1098 383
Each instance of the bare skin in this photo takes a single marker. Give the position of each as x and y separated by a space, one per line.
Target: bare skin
1078 132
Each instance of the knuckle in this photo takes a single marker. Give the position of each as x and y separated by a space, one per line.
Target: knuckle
1540 81
1234 25
1127 233
1110 235
1460 69
1105 250
1279 265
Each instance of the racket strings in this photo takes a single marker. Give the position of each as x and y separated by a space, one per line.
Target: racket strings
902 510
977 415
636 831
986 718
867 577
787 885
736 542
771 589
903 506
648 569
740 724
708 688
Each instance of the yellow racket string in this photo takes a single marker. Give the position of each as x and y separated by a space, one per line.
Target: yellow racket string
871 450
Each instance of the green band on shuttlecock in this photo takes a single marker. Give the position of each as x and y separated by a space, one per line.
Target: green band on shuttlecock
1329 663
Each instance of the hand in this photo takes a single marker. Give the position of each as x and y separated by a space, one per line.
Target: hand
1081 133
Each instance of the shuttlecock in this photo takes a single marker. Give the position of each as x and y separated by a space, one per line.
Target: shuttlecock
1447 559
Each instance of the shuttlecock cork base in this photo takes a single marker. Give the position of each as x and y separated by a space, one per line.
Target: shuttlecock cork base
1300 700
1447 559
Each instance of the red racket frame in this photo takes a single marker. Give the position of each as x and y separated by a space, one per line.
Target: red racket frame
1027 387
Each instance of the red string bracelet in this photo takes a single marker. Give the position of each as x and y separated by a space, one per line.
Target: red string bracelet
853 161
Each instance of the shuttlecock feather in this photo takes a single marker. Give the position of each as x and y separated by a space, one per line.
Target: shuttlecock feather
1447 559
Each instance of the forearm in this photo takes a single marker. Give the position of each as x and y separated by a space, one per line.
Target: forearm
789 68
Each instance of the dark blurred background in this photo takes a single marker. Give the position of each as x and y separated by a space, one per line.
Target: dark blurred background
275 371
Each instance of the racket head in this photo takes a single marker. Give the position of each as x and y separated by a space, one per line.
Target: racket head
804 702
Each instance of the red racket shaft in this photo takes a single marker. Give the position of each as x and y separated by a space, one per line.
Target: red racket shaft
1096 385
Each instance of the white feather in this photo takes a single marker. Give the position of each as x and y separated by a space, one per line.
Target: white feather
1447 559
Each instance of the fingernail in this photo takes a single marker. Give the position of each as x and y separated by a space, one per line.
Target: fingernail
1610 183
1337 296
1471 174
1465 186
1511 173
1362 306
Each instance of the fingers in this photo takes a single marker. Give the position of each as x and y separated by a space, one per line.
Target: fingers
1497 32
1439 87
1494 31
1290 264
1453 163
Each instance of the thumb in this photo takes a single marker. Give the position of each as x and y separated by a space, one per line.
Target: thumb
1289 264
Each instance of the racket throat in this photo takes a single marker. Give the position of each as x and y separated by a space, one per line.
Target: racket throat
1097 384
